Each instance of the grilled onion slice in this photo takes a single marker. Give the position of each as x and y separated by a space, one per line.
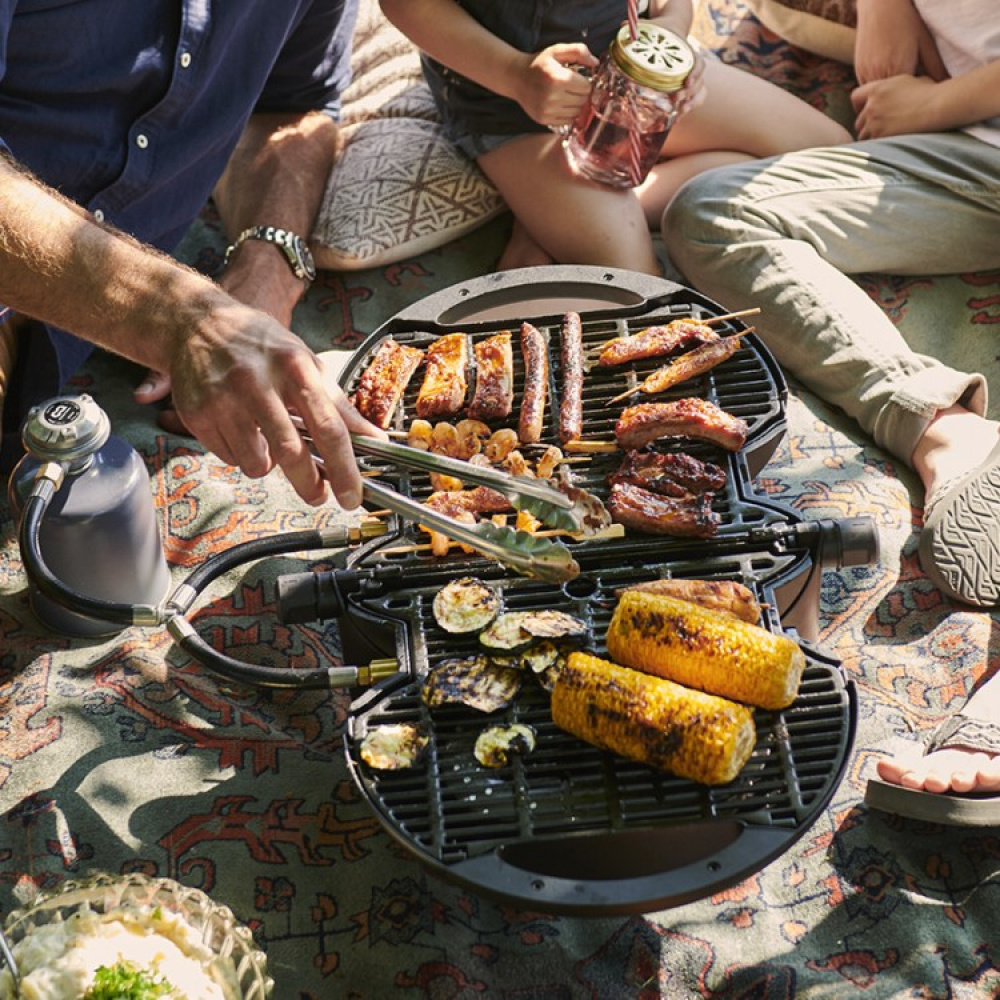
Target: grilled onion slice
465 605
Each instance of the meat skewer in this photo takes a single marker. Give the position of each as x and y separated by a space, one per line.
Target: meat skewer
442 393
656 341
697 362
536 384
691 517
494 395
384 381
571 355
690 417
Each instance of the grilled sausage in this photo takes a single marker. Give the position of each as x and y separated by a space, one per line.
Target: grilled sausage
536 384
571 355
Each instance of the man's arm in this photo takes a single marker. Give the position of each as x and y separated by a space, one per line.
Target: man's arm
275 177
235 371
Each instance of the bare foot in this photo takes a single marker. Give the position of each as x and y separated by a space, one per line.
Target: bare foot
948 770
956 442
954 768
522 251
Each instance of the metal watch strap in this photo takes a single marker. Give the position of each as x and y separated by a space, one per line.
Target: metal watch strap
293 246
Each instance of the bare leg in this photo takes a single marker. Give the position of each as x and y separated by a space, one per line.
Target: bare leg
955 442
572 220
522 251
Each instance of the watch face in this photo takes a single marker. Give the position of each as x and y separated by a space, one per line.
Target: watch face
305 258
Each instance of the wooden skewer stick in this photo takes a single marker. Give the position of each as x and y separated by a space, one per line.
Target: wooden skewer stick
582 447
708 321
612 531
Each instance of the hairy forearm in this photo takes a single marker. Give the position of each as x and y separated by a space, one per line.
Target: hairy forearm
275 177
60 266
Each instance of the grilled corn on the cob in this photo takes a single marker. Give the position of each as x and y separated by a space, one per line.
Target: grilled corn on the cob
705 649
654 721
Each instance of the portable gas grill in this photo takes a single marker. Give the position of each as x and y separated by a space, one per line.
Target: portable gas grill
568 827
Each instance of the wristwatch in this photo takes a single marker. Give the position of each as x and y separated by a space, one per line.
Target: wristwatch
293 246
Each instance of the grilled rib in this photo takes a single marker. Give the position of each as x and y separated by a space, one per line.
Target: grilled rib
384 381
690 417
689 517
442 393
675 474
494 395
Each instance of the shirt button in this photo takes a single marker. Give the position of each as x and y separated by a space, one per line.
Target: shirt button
99 214
141 141
185 60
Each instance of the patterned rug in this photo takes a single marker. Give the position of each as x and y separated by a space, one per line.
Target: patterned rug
122 755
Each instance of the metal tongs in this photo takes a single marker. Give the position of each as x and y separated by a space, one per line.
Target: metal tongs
566 509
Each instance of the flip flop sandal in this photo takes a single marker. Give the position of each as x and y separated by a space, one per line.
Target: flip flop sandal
960 542
963 732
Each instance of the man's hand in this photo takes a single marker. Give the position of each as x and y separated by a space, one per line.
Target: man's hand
235 382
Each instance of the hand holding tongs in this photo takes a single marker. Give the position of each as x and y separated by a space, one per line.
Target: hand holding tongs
529 554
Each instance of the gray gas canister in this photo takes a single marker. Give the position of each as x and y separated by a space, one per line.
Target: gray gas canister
99 535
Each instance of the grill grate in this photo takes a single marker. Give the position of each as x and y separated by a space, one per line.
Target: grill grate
569 827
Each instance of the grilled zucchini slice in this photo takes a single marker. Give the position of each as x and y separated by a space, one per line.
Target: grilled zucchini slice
471 681
465 605
394 747
497 744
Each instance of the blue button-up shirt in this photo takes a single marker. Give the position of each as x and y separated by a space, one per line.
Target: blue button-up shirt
132 109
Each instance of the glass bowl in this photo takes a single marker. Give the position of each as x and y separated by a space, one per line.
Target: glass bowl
212 924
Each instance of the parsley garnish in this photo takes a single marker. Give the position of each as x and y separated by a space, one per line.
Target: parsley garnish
123 981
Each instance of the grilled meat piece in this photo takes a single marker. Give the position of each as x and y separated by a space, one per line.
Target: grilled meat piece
687 366
442 393
494 395
690 417
571 355
655 342
536 384
673 474
689 517
477 500
384 381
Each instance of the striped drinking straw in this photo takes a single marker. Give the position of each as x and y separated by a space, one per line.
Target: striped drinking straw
635 167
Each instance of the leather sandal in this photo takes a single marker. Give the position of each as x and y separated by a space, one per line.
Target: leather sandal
963 732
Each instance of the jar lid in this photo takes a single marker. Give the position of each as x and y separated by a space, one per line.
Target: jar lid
65 429
655 58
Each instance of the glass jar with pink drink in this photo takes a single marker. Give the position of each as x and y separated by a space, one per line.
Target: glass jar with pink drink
620 132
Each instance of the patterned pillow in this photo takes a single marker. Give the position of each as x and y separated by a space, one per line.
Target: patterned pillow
825 27
399 187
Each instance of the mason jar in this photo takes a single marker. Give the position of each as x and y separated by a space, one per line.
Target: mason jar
620 132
